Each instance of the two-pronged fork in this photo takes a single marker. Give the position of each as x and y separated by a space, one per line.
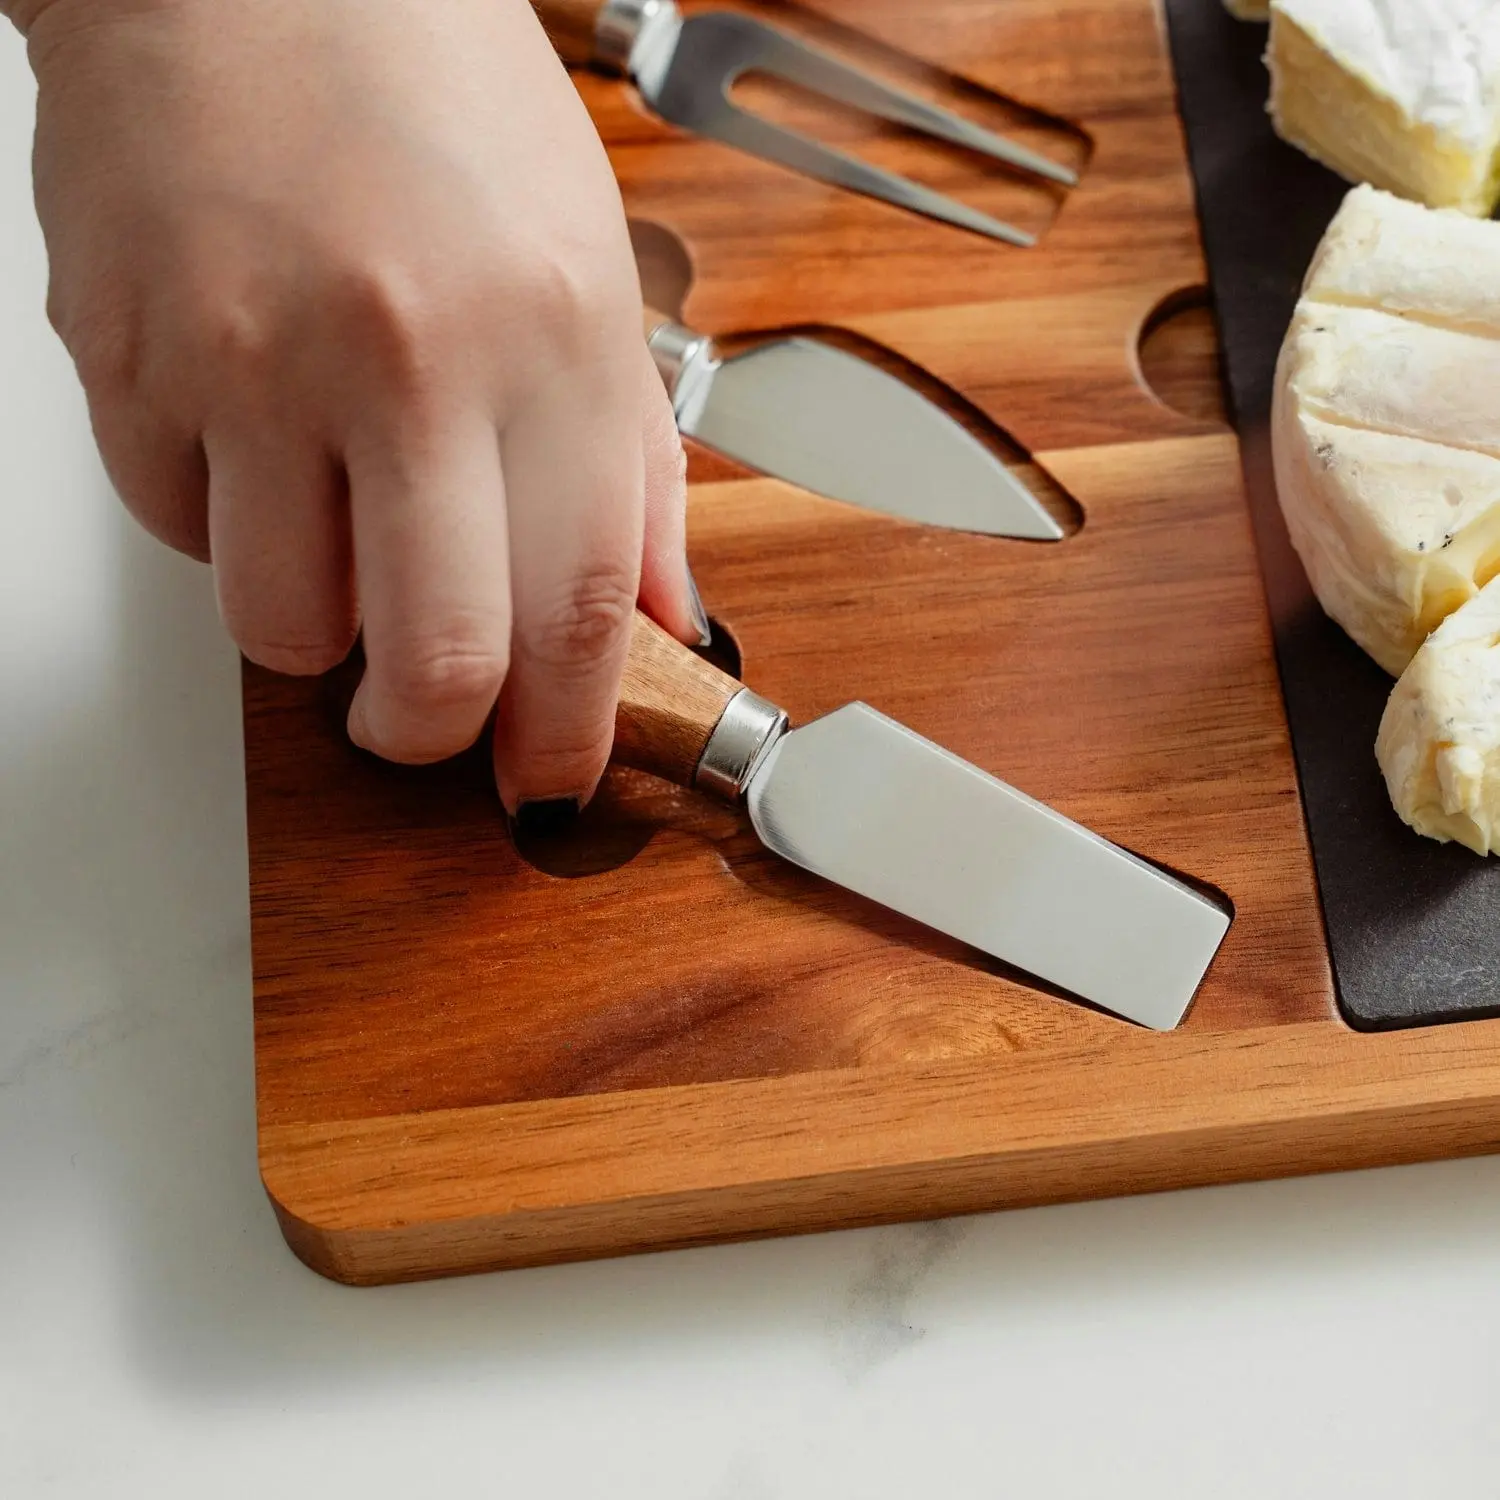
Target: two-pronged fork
686 67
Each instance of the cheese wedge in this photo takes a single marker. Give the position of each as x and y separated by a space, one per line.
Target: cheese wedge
1385 423
1404 94
1439 741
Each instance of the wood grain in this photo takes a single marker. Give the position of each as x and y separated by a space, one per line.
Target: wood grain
670 701
475 1053
1179 360
526 1183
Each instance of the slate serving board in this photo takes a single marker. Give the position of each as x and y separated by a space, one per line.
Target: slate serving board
1412 925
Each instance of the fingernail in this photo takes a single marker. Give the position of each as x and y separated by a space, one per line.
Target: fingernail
547 816
700 615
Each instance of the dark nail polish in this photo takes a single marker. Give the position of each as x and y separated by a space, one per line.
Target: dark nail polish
700 615
546 817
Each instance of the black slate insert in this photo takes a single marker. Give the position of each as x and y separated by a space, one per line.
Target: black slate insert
1414 926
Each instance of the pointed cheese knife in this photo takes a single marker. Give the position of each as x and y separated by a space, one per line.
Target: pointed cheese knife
806 412
860 800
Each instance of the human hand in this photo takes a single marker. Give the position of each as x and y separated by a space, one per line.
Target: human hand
350 291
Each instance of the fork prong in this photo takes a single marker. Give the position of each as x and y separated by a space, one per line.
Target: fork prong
821 73
738 127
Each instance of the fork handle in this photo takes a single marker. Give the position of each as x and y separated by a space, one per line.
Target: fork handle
571 27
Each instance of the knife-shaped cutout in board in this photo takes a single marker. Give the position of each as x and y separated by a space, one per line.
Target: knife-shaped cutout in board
860 800
806 411
854 456
687 68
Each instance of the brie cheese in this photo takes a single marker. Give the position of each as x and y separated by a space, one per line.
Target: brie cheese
1386 420
1404 94
1439 742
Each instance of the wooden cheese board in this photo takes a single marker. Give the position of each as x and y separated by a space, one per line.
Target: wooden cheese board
471 1055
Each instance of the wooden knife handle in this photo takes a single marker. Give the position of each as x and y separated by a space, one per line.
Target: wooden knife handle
569 25
670 703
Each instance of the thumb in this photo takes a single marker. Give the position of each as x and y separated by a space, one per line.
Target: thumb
668 593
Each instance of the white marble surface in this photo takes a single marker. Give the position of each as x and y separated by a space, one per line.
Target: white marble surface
1334 1337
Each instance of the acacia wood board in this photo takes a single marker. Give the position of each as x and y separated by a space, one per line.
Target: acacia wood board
471 1056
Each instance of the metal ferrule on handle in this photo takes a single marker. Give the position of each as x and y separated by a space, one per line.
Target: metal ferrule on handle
741 740
637 38
686 362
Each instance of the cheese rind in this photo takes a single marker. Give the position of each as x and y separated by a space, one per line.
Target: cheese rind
1386 420
1439 740
1380 251
1403 94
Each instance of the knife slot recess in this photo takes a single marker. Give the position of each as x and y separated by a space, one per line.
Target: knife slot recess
612 830
1046 487
1027 202
723 649
663 264
630 807
1177 353
1210 892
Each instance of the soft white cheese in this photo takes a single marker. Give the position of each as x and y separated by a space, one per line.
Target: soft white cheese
1439 741
1386 420
1404 94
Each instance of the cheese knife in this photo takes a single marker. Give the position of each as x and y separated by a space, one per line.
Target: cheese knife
806 412
685 68
861 800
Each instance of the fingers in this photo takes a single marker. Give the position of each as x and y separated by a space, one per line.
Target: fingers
279 533
668 593
574 482
428 510
158 470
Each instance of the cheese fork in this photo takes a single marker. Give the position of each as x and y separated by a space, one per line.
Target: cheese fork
685 68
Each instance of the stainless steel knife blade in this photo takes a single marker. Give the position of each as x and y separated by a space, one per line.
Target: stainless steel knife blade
813 415
863 801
